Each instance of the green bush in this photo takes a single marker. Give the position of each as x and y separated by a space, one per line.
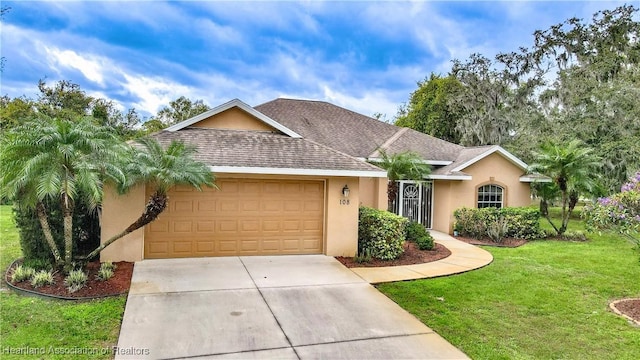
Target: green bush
425 242
86 231
519 223
22 273
381 233
415 232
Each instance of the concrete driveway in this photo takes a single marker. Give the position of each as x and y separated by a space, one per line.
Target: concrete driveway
283 307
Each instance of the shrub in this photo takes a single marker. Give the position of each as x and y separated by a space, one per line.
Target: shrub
106 271
381 233
519 223
38 264
86 230
75 280
22 273
574 235
414 230
41 278
425 242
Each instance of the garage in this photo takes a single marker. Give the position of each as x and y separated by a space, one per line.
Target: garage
242 217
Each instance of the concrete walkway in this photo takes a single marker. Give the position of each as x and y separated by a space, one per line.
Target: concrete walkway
464 257
281 307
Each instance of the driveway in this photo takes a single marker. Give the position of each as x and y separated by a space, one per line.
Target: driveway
284 307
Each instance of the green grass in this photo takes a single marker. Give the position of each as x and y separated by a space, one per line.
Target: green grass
544 300
33 323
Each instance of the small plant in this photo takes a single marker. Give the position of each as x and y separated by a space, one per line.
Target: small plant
363 257
425 242
497 229
106 271
42 278
22 273
75 280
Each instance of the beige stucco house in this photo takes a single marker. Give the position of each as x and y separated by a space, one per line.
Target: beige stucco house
291 175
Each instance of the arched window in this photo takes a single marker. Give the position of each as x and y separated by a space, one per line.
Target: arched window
490 196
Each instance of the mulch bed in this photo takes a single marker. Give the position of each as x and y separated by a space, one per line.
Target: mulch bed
118 284
506 242
412 255
630 308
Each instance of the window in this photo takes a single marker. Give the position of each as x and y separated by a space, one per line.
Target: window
490 196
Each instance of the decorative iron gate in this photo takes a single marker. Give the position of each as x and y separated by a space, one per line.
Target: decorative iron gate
414 201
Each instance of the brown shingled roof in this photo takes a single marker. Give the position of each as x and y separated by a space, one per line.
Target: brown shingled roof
240 148
331 125
355 134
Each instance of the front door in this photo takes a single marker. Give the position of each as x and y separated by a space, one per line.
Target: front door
414 201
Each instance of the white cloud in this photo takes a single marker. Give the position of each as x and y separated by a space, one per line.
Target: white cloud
92 67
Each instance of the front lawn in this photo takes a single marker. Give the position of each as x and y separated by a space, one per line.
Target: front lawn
79 330
543 300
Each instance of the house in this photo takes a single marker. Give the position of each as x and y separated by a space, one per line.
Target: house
291 176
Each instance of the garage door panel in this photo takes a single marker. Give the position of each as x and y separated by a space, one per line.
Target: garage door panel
244 217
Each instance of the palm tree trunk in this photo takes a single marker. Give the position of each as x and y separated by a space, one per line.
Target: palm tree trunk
155 206
46 229
392 194
67 216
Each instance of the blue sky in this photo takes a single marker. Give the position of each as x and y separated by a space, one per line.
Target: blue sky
366 56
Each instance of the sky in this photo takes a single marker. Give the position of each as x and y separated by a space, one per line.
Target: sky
363 55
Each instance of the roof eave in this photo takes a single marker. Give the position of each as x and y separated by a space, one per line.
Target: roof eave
296 171
228 105
496 148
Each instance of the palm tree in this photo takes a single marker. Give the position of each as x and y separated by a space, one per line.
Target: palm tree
159 169
402 166
57 160
572 168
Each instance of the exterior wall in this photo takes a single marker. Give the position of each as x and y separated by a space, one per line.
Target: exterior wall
340 225
118 212
454 194
234 119
373 192
341 219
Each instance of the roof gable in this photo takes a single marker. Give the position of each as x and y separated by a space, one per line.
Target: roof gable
461 165
219 117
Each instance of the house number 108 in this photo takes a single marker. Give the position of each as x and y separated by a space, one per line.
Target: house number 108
344 201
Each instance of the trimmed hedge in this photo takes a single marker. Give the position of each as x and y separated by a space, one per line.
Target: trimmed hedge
520 222
417 233
380 233
86 231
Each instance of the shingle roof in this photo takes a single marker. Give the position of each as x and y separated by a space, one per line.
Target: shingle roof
241 148
331 125
465 154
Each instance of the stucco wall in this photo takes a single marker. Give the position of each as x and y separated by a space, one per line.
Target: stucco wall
341 217
233 118
454 194
118 212
373 192
341 235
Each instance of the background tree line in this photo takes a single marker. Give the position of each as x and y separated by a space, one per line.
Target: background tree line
66 100
579 80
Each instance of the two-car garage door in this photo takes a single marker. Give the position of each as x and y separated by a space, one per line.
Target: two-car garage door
243 217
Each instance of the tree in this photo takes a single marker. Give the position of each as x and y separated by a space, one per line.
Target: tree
160 169
572 168
14 111
178 110
402 166
619 212
430 109
56 160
